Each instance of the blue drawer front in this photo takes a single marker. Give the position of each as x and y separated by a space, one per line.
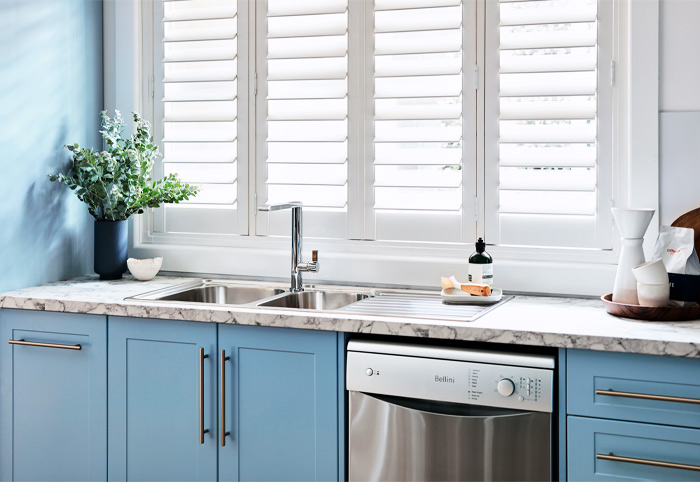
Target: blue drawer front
588 437
588 371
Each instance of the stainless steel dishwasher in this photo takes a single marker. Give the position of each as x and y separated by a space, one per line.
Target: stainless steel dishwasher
437 413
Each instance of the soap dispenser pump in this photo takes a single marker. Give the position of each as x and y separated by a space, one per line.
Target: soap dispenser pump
481 265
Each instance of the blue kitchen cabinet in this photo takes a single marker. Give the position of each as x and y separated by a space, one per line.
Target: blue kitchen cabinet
162 396
632 417
283 404
53 401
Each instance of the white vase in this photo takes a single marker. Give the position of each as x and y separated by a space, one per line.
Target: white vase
632 224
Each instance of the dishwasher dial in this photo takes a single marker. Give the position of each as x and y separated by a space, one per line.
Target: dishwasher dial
506 387
369 372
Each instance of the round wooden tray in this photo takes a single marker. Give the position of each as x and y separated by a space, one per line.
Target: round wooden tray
666 313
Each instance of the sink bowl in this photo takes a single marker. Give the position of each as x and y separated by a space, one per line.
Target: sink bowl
217 292
314 300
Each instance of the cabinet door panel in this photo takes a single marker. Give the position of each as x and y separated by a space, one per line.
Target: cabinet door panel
53 404
637 442
282 404
154 400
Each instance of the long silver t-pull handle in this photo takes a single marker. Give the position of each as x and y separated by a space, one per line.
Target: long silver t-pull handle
222 386
644 396
202 430
45 345
655 463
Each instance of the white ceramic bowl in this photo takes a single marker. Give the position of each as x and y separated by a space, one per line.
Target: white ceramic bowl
651 273
144 269
653 295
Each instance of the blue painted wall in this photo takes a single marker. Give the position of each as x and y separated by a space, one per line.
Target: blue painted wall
50 95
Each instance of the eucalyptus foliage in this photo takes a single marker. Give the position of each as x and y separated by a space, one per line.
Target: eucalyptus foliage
116 183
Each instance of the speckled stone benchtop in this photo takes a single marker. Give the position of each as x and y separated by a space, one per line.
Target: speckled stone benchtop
524 320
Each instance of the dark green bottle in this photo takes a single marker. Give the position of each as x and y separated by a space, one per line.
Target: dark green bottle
481 265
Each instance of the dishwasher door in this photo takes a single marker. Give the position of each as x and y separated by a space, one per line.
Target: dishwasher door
395 438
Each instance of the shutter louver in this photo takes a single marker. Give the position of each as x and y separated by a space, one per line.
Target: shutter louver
418 120
306 118
199 109
548 190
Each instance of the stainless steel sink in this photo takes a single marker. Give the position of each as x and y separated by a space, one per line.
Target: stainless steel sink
216 292
315 300
224 295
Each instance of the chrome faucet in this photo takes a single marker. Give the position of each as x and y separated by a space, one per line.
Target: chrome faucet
297 265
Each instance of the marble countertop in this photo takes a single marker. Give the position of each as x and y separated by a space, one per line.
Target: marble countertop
524 320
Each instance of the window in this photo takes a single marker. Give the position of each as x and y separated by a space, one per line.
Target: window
419 138
406 127
198 96
549 125
302 112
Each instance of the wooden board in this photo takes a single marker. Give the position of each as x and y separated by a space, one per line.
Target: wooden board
665 313
691 219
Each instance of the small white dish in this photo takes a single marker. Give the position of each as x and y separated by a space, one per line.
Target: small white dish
144 269
651 273
656 295
455 296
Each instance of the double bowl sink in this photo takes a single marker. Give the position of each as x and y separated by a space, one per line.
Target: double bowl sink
254 294
403 303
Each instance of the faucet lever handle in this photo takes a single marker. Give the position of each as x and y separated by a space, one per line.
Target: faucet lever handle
314 255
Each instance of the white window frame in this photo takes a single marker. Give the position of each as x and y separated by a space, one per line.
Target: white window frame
543 270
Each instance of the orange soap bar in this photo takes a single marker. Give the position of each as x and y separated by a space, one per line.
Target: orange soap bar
477 290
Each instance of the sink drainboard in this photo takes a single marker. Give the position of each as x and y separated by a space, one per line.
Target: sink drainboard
411 306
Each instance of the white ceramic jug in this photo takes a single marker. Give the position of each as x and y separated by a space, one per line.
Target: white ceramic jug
632 224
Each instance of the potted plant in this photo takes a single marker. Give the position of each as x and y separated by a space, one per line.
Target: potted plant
116 183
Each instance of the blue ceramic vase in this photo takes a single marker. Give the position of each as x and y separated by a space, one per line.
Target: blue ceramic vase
111 241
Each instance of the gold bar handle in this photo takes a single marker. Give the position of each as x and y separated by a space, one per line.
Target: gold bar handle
663 398
45 345
202 430
655 463
222 387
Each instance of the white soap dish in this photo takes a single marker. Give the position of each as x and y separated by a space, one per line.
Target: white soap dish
455 296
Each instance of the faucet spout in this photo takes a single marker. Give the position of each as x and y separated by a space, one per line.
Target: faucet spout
297 265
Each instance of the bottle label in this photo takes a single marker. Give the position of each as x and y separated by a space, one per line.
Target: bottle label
481 273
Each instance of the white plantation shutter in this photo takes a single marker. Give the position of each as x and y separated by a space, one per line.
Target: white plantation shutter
303 114
420 105
197 98
548 125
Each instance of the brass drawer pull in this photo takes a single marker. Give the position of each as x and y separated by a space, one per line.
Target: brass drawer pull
222 373
202 430
45 345
663 398
655 463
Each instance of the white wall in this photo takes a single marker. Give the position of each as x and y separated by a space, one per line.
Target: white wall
679 46
679 103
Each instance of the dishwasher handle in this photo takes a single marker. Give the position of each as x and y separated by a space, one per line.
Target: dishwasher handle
443 408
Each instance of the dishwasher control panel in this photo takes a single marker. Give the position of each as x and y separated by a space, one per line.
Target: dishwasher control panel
449 380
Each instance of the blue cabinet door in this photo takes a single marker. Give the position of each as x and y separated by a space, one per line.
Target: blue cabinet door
282 404
53 402
154 400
